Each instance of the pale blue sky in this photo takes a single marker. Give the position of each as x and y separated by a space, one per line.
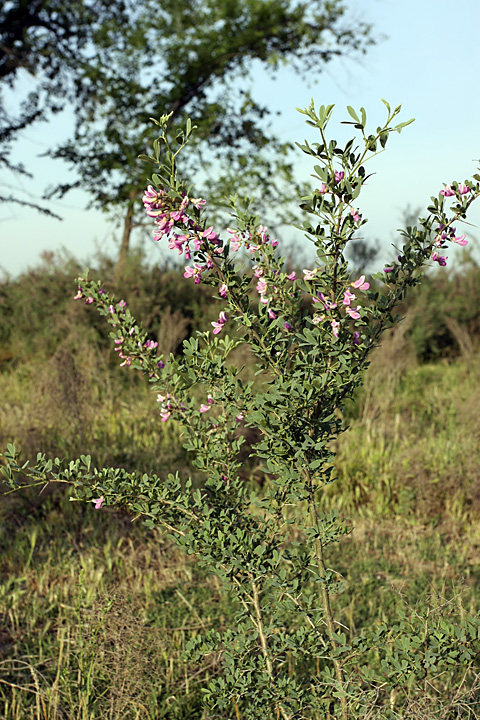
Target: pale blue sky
428 61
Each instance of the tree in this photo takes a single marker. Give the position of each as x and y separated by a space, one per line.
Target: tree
52 41
196 58
121 62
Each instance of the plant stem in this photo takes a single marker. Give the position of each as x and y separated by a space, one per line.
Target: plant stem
263 643
329 619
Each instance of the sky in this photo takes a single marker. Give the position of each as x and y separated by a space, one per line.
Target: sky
426 59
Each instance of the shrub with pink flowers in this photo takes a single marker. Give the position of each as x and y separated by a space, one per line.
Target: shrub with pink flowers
287 656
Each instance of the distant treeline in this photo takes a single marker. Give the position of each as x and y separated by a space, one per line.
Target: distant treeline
38 313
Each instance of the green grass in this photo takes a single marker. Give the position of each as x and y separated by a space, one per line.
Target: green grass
95 610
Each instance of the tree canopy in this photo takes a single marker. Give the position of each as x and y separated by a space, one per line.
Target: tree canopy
119 63
53 42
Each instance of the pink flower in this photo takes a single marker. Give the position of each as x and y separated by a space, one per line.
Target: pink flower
310 274
150 195
235 240
441 259
271 314
356 215
209 234
263 232
292 276
335 325
79 294
463 189
287 326
176 242
217 326
339 175
222 291
98 502
197 202
360 284
261 287
447 191
323 189
348 297
388 269
165 407
327 304
353 312
195 272
203 407
460 240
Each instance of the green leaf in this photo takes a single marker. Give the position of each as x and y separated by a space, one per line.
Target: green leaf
353 114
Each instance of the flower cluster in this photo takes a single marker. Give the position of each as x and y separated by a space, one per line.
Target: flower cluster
445 234
330 304
165 406
252 241
171 214
449 190
268 286
129 345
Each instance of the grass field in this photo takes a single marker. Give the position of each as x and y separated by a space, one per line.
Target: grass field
95 610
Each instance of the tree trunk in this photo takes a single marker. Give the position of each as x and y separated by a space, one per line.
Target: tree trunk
127 231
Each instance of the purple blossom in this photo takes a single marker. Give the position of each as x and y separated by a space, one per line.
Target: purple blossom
218 325
151 344
447 191
441 259
98 502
